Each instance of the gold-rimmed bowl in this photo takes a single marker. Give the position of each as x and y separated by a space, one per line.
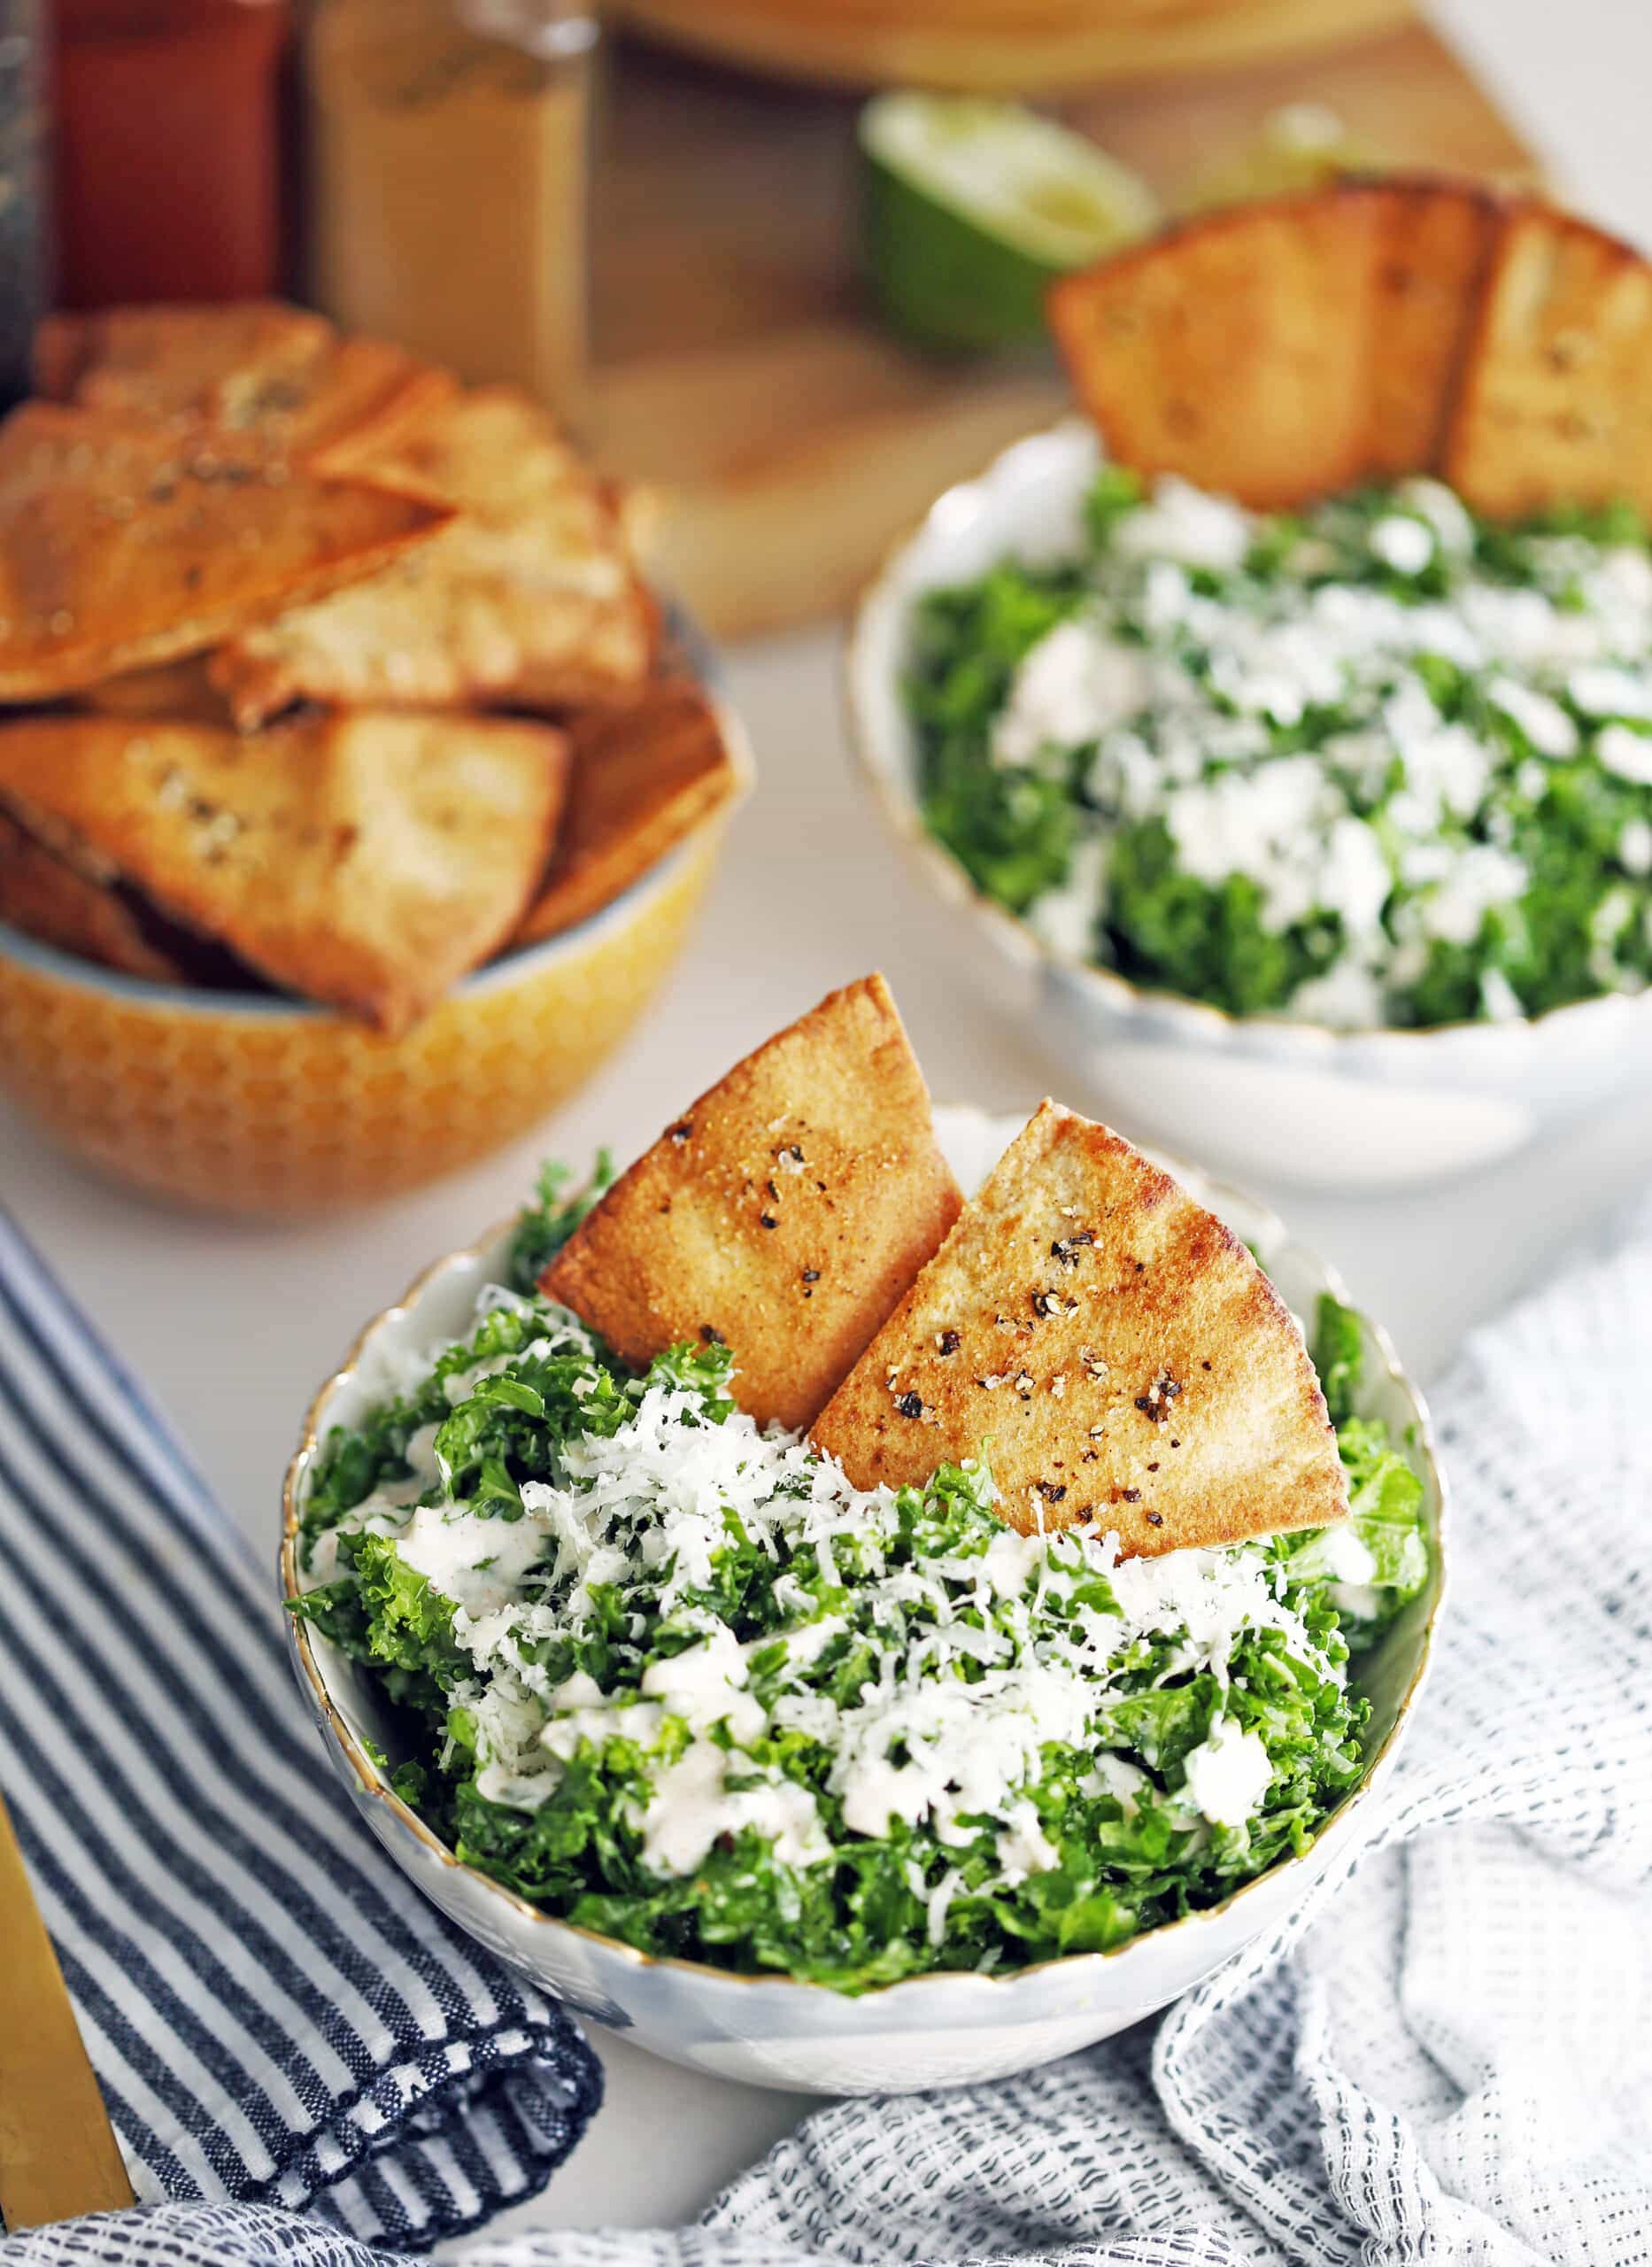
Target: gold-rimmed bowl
1345 1110
931 2031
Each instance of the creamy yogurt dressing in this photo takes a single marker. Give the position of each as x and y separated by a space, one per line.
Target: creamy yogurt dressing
1228 1774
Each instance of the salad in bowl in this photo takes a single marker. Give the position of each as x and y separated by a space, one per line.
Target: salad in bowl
732 1731
1284 737
1378 762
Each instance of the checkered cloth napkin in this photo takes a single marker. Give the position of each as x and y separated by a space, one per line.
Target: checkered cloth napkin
1446 2058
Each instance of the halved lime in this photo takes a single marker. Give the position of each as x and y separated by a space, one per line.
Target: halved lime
970 208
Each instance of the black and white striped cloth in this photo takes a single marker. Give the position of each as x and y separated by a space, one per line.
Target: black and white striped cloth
1447 2059
275 2016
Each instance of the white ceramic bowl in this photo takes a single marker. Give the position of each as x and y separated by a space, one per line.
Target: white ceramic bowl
1369 1110
931 2031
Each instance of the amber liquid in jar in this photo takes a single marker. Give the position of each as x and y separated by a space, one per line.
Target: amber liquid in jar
447 187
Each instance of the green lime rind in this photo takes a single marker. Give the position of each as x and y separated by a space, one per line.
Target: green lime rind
937 279
952 273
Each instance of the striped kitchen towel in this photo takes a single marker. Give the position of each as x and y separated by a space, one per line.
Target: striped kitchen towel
275 2016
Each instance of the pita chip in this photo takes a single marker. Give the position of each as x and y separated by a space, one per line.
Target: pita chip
643 778
180 691
1554 405
783 1213
47 897
1437 241
366 862
529 599
123 545
253 367
1108 1345
1234 350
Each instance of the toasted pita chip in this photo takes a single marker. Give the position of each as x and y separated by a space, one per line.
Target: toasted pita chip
784 1213
47 897
529 599
1555 400
644 777
366 862
1235 349
1115 1353
180 691
123 545
174 360
254 367
1437 240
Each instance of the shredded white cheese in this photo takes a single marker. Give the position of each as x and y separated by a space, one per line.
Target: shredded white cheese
919 1744
1393 827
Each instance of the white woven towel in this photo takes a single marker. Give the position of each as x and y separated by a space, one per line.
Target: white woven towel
1447 2058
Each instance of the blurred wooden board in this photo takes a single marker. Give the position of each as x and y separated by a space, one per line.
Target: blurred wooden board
737 371
1000 46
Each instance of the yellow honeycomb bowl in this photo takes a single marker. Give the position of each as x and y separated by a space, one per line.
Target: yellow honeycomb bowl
250 1103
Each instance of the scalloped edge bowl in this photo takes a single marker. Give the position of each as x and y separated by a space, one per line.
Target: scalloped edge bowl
1334 1110
931 2031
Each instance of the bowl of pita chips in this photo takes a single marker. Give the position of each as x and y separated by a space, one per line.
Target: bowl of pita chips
1279 737
356 792
871 1598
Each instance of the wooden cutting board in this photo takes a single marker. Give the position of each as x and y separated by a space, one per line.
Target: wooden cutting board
736 369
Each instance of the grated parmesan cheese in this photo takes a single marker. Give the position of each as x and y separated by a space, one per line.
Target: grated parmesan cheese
984 1658
1192 688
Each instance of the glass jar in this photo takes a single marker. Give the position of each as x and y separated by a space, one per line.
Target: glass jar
447 181
167 149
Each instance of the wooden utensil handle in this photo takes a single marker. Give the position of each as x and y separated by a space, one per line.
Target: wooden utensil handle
58 2156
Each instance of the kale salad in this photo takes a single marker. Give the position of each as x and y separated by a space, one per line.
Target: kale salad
673 1678
1379 763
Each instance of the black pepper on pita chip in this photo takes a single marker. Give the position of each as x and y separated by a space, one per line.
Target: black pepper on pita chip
783 1215
1161 1391
366 862
124 543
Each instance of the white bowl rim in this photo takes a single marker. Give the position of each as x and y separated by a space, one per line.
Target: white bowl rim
372 1784
883 769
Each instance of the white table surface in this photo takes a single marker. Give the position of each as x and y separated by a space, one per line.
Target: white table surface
233 1324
